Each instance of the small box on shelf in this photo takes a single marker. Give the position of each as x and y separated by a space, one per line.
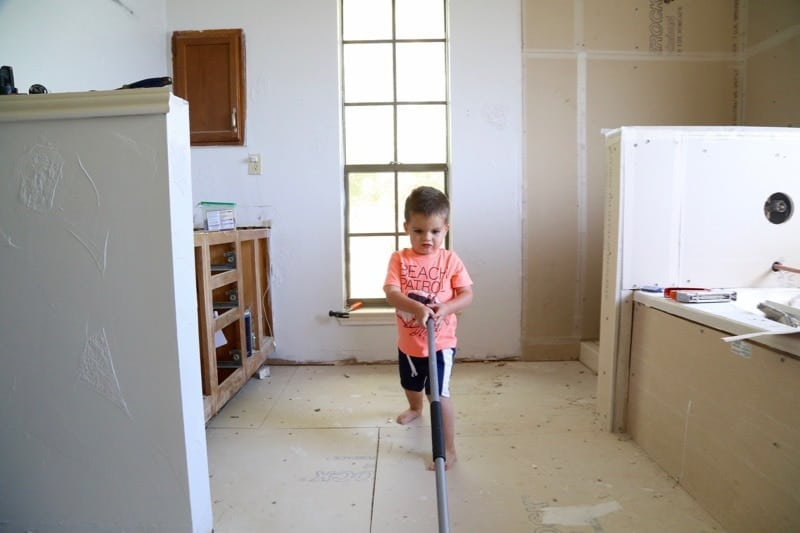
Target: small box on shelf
215 216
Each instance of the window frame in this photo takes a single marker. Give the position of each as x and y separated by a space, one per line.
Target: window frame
391 167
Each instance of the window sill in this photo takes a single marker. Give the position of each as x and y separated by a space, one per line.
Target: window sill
379 316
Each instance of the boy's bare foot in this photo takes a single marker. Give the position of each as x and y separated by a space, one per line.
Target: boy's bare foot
407 416
449 461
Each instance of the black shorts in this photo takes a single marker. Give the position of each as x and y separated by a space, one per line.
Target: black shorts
414 371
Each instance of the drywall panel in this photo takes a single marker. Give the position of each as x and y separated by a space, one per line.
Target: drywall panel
770 20
660 27
693 204
618 80
722 421
726 240
628 92
549 24
552 210
773 83
592 272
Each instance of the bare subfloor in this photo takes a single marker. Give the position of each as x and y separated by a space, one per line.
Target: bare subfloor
316 448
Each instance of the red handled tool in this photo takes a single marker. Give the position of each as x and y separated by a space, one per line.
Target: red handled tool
345 313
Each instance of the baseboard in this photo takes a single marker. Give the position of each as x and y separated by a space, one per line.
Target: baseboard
589 354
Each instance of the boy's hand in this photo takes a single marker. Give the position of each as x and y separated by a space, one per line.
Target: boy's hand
409 303
423 314
422 308
438 312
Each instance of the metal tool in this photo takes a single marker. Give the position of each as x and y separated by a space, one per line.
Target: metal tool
780 313
437 431
346 312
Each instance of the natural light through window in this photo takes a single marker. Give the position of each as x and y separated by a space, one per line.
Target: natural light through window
395 115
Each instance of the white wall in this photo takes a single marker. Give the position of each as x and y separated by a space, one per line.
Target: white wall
293 110
86 45
293 121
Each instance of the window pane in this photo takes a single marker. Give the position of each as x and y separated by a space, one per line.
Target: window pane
371 202
408 181
420 72
368 75
421 134
369 134
420 19
366 19
369 258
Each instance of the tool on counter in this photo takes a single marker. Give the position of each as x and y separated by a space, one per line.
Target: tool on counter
7 80
670 292
346 312
780 313
148 82
698 295
651 288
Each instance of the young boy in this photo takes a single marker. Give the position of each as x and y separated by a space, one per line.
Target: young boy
427 281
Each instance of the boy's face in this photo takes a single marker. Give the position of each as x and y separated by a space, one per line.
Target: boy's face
426 232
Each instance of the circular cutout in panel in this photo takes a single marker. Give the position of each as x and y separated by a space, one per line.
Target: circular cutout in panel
778 208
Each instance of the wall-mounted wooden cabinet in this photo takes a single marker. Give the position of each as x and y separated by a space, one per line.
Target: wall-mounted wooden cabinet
208 71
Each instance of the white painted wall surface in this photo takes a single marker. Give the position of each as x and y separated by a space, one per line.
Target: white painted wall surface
83 46
693 205
293 120
101 412
293 110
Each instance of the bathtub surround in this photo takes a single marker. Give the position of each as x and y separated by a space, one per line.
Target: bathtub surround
688 207
720 418
685 207
738 320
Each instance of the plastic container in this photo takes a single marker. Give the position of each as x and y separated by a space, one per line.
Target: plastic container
215 216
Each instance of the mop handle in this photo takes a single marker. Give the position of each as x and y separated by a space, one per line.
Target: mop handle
436 406
437 432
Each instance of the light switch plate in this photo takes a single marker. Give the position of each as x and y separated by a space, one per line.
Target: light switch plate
254 164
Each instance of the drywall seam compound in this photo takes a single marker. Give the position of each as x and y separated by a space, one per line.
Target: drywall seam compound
94 185
578 515
97 369
101 262
40 170
7 239
685 438
581 185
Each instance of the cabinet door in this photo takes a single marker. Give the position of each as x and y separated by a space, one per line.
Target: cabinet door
208 72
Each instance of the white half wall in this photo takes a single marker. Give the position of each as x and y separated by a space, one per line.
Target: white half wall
101 410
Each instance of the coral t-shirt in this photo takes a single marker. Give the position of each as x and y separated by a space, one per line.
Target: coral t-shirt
433 277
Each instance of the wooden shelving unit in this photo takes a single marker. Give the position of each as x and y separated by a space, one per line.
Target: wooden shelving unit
232 285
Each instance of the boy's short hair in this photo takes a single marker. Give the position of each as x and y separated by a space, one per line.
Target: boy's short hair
427 201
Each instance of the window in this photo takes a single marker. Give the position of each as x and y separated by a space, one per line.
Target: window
395 116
